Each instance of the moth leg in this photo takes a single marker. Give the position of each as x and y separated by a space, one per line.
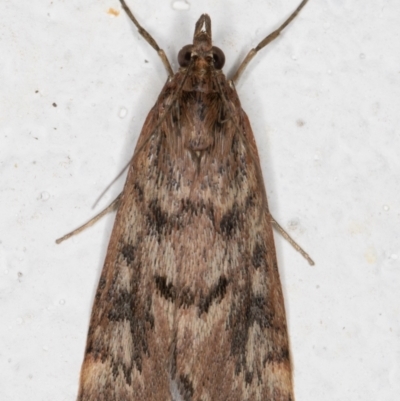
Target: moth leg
292 242
149 39
111 207
266 41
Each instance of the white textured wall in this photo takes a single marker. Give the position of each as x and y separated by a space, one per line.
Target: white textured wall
324 104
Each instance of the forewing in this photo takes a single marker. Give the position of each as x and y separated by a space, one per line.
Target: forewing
189 304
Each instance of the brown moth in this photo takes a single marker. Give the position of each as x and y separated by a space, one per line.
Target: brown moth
189 306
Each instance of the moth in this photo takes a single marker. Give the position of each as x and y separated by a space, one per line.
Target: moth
189 305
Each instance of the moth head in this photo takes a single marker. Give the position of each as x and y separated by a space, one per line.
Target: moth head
202 46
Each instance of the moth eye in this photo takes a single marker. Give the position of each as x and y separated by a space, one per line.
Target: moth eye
184 55
219 57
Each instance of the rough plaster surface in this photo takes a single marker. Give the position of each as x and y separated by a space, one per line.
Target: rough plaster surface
76 84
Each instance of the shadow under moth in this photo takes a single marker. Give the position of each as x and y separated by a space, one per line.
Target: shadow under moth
189 306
